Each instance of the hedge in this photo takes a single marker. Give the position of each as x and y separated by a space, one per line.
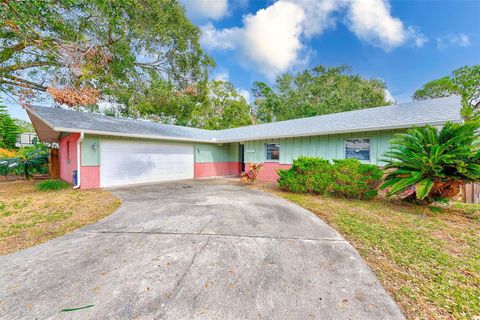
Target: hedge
347 178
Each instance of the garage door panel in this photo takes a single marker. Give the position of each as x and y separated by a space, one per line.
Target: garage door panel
129 162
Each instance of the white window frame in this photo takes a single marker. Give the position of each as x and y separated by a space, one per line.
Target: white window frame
266 153
369 149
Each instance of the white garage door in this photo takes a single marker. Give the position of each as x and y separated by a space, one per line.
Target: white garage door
129 162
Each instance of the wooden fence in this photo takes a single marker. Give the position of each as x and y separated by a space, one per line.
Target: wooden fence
471 193
53 164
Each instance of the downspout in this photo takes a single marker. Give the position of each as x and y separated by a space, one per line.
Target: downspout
79 159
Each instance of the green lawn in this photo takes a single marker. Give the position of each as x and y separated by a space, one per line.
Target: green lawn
428 260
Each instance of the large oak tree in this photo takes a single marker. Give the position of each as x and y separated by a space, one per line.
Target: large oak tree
81 50
464 81
318 91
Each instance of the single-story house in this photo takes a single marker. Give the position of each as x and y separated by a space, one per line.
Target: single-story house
108 151
25 139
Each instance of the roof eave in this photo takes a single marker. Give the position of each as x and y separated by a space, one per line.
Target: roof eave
115 134
132 135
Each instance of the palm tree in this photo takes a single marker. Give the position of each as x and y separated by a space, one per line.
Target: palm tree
429 163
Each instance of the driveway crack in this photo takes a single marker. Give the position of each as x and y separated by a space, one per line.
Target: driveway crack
218 235
179 283
205 226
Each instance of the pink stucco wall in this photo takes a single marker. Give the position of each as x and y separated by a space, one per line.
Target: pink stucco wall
217 169
68 158
89 176
269 171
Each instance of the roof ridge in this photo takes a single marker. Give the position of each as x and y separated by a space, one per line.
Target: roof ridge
403 104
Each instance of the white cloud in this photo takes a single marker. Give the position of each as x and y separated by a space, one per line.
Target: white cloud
272 38
224 39
209 9
372 22
389 97
318 14
460 40
222 75
419 38
244 93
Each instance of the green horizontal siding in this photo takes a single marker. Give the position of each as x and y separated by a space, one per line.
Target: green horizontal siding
206 153
328 146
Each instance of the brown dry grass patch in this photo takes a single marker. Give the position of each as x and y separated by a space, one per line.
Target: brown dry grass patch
29 217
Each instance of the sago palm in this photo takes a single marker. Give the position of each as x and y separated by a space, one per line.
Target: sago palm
429 163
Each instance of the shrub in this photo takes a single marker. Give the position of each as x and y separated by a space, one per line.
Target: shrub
4 153
431 164
353 179
251 174
345 178
47 185
307 174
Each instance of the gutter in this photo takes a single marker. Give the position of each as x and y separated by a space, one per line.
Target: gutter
79 159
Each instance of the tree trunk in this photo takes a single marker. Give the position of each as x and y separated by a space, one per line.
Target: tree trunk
27 173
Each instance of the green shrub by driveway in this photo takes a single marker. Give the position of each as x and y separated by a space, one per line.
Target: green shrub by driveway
312 175
355 180
348 178
47 185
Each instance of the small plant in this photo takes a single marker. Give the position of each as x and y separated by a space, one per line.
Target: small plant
429 164
26 161
47 185
250 176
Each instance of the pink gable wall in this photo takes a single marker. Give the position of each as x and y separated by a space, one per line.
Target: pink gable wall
89 176
68 158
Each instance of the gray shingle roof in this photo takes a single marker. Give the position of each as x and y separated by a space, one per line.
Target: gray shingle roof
435 112
75 121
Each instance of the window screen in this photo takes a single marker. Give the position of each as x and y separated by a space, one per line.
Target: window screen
273 151
357 149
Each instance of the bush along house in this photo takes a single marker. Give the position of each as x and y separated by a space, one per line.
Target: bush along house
105 151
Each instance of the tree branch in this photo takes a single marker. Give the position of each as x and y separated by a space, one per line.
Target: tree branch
19 82
7 53
24 66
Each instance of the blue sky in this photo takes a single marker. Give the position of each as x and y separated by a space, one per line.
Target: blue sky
404 43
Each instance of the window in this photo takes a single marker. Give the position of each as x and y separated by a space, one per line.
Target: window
68 151
357 149
273 152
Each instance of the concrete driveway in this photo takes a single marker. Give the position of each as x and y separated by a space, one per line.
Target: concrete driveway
195 250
